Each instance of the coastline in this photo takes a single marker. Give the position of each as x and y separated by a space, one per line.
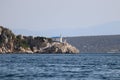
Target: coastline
11 43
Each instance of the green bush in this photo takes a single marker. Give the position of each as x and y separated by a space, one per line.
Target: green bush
24 44
21 43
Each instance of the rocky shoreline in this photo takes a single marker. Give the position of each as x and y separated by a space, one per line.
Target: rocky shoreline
11 43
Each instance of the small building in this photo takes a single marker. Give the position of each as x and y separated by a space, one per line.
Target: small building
59 39
56 39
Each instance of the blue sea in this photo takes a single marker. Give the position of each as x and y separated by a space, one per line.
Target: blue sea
60 66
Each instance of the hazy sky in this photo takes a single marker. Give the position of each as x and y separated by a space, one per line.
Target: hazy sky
66 17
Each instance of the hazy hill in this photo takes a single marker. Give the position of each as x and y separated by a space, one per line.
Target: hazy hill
99 44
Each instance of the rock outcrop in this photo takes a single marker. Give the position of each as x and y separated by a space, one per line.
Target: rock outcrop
61 48
11 43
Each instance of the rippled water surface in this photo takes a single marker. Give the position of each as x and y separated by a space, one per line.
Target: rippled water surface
59 66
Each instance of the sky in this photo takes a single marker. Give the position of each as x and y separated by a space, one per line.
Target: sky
67 17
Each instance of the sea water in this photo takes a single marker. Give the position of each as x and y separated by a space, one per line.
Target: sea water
60 66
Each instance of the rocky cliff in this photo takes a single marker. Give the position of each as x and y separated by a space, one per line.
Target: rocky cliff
11 43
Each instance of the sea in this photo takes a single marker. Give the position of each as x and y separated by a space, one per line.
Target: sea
87 66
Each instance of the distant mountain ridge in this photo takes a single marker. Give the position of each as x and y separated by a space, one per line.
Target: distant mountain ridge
96 44
106 28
